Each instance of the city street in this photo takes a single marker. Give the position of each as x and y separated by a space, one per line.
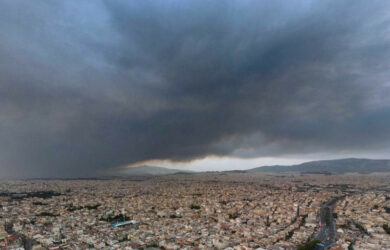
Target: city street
327 233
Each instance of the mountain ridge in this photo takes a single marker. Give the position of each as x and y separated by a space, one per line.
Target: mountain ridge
149 170
336 166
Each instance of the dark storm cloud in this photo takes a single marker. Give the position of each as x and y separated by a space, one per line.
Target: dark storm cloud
85 86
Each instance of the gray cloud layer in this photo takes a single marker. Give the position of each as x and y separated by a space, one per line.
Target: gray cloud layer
89 85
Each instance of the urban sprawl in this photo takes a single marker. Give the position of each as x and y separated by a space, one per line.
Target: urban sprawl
198 211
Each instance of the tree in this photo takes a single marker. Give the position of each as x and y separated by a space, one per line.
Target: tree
310 245
386 228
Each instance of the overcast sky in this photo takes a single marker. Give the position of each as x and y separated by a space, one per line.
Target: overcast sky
86 86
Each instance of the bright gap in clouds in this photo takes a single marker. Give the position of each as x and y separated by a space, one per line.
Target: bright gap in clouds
213 163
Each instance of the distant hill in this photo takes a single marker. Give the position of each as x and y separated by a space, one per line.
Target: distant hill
341 166
149 170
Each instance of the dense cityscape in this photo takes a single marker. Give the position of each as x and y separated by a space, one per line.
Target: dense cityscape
198 211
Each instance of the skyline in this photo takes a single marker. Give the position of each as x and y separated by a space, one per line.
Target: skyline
90 86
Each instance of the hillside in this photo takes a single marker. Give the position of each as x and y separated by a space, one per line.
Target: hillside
149 170
341 166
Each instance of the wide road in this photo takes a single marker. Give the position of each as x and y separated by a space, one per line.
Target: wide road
327 233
